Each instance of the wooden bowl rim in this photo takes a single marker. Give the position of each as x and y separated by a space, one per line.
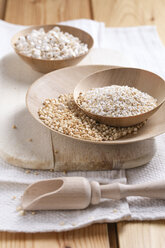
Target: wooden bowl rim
30 28
118 118
114 142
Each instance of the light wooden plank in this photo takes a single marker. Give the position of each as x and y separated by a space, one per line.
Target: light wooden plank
141 234
95 236
130 13
2 8
123 13
45 12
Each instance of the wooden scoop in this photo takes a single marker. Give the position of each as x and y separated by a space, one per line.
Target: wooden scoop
143 80
78 193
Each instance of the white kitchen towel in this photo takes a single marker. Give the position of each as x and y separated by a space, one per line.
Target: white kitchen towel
143 47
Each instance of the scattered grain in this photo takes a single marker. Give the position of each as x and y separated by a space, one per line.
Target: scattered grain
19 208
27 171
22 212
64 116
62 223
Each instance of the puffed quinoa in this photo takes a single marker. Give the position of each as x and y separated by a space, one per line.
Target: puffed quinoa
116 101
53 45
64 116
62 223
19 208
22 213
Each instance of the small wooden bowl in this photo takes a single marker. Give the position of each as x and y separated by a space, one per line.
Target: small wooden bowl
45 66
142 80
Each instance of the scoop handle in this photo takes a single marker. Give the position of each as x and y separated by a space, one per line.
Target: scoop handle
154 190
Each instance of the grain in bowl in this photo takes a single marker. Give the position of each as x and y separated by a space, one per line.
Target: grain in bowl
116 101
52 45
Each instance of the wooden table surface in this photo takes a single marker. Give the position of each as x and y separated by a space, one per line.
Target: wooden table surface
114 13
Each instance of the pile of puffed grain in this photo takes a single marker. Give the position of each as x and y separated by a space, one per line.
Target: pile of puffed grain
116 101
53 45
64 116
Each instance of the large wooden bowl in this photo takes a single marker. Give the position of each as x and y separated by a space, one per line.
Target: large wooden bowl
142 80
45 66
64 81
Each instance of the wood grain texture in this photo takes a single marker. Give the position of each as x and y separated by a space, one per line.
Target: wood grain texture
95 236
35 12
121 13
2 8
141 234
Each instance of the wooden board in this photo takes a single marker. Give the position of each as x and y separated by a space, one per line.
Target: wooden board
2 8
95 236
46 12
124 13
141 235
20 134
72 155
22 146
